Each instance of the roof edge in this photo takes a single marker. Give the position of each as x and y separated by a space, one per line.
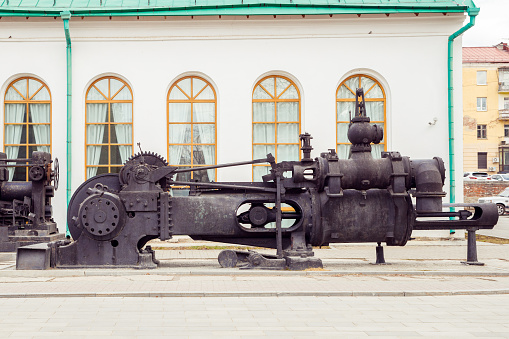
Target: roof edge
236 9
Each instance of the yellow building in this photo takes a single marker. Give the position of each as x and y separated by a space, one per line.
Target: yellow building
486 109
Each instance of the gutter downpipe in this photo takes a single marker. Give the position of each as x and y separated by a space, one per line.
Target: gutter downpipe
66 16
472 13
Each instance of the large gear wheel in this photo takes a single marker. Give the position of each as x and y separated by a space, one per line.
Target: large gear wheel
149 158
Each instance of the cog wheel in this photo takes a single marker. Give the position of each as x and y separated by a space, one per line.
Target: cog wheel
149 158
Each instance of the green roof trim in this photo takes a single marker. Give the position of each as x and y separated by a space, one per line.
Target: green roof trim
41 8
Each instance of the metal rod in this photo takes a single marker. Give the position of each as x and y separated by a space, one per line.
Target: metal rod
216 185
257 161
24 165
16 160
279 234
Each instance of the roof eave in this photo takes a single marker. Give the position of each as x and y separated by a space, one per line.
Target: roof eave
235 10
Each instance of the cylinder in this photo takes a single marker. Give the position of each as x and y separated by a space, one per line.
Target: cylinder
15 190
362 217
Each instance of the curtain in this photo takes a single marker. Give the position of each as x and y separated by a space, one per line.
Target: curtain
177 133
95 133
14 113
40 114
205 112
287 132
123 112
263 133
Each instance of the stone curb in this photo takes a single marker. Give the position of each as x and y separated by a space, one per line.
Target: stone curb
231 272
254 294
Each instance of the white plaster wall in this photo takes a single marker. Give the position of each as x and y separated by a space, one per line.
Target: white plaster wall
407 54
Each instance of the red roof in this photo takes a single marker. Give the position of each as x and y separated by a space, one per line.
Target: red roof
486 54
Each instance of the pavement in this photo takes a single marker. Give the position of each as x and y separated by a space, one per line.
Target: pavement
423 291
420 268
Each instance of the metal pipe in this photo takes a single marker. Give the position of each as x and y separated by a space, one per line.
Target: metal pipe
472 13
66 16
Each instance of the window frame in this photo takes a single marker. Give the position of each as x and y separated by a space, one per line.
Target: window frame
482 131
384 100
482 157
192 123
480 107
275 100
486 78
28 101
108 123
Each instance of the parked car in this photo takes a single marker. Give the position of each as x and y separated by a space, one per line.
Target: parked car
476 176
500 177
502 201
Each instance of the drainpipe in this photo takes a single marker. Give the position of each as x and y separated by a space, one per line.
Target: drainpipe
66 16
472 13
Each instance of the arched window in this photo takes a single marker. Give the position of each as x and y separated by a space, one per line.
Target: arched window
109 126
27 122
276 122
374 96
192 127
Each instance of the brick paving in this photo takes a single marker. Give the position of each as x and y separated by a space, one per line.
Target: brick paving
424 292
252 317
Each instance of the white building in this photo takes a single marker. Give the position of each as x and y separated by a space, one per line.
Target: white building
254 75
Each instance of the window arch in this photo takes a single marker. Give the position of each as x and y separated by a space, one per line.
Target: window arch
109 125
192 108
374 96
27 122
276 121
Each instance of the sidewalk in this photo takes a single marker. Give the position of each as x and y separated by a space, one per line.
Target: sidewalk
418 269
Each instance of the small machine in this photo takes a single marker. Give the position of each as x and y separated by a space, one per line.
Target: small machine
25 206
299 204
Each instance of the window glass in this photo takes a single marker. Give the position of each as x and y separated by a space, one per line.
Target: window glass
192 128
481 78
276 122
27 122
375 100
481 104
109 129
481 132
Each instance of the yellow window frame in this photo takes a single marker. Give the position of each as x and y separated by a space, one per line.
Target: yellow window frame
275 99
191 99
108 99
27 101
384 100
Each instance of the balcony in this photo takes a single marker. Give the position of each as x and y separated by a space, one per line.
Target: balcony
503 114
503 87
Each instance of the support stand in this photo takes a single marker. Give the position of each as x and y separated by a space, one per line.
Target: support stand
380 260
472 248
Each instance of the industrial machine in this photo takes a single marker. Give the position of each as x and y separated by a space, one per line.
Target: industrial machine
25 206
299 204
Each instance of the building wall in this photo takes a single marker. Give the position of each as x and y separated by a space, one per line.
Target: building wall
406 54
472 117
473 190
491 118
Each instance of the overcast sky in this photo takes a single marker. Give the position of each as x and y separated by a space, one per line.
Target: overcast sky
491 25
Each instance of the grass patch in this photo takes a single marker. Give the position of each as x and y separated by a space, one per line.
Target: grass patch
218 247
492 240
208 247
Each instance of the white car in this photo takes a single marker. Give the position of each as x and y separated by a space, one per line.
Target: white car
502 201
500 177
476 176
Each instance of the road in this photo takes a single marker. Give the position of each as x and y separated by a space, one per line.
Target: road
501 229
